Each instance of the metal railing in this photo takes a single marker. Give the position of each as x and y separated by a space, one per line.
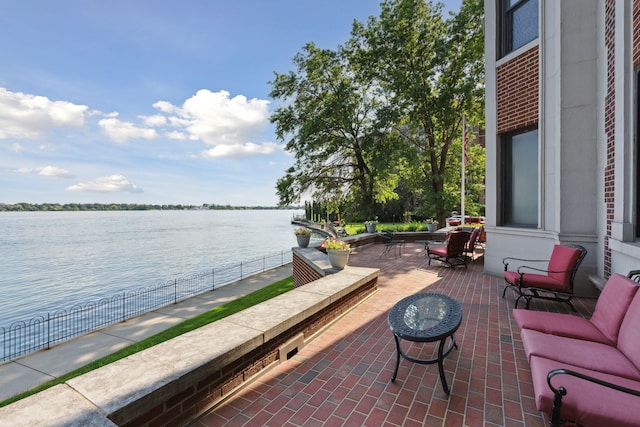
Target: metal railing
44 331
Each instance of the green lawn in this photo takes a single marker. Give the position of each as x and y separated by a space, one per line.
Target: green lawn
358 227
217 313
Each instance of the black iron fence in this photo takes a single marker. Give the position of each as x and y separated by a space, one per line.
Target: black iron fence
44 331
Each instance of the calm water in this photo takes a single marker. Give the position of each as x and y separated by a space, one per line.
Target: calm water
51 260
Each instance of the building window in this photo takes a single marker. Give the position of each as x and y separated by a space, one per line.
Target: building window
519 179
518 24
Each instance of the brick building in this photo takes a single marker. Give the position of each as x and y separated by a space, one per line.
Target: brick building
562 132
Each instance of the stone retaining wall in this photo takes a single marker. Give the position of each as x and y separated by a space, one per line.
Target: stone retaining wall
176 381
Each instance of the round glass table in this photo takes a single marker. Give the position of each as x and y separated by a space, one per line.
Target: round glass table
426 317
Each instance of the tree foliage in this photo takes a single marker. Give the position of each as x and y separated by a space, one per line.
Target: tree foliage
375 120
330 124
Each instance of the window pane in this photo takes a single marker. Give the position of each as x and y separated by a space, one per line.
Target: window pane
524 27
523 197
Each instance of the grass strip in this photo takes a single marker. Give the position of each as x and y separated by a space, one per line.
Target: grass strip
220 312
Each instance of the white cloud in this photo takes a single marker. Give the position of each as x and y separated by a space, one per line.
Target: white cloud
155 120
120 132
165 107
107 184
51 171
240 150
29 116
177 135
230 125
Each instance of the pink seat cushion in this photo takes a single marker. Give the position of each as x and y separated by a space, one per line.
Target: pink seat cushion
533 280
586 403
613 304
559 271
629 337
564 325
585 354
563 260
440 251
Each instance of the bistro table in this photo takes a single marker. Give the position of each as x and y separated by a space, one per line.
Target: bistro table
426 317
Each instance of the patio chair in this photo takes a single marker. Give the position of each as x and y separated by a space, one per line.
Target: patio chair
482 238
470 246
452 251
391 244
554 283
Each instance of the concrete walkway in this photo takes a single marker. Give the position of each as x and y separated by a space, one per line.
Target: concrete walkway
37 368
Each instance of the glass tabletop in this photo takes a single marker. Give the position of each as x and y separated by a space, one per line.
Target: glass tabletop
425 313
425 317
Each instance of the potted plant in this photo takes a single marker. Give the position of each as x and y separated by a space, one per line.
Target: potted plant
432 224
371 226
303 235
338 251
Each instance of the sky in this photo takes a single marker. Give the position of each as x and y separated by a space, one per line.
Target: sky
152 102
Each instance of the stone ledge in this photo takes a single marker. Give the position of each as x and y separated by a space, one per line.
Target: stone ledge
178 379
58 406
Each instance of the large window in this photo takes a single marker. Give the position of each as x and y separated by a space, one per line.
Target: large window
520 179
518 24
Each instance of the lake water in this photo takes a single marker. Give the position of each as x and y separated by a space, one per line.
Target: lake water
52 260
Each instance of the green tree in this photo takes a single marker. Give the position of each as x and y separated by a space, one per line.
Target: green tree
329 121
431 72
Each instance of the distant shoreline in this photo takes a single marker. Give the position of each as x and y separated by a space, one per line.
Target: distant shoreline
88 207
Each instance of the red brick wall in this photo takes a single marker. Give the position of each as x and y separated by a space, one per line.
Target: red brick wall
302 272
517 92
196 396
636 34
609 128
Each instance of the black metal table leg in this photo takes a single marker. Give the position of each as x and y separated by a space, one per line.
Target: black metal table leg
398 352
442 353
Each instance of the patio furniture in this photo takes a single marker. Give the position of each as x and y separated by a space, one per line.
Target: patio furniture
470 246
482 238
391 244
426 317
452 251
587 372
555 282
426 244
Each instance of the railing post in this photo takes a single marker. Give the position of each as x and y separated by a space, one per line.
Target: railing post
213 279
240 270
48 331
175 291
124 306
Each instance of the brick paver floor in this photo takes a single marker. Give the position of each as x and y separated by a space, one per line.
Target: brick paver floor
343 376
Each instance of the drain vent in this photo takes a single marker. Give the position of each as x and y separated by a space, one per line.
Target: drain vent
291 347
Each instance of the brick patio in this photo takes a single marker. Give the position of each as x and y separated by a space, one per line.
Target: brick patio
343 376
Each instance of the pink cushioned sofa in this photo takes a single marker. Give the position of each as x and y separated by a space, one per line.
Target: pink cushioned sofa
587 371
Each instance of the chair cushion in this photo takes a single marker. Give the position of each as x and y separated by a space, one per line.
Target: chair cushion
439 251
586 403
613 304
564 325
563 259
628 337
533 280
585 354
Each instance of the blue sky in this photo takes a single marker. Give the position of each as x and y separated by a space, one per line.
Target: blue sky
159 102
